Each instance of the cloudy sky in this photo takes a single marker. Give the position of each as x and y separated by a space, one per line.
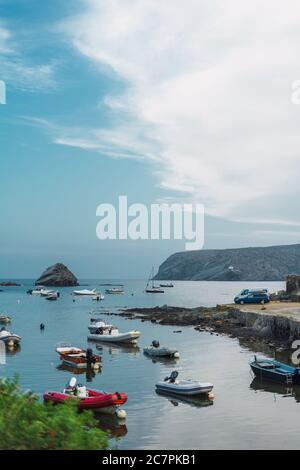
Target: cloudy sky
163 101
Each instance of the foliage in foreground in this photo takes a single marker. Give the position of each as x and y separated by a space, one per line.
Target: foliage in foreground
27 424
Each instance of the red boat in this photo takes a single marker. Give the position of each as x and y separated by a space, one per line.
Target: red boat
89 399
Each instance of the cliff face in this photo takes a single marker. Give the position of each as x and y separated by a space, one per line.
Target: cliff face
57 275
272 263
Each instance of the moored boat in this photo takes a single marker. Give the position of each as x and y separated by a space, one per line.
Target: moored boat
98 326
276 371
47 292
114 336
167 284
92 292
77 357
52 296
114 290
98 297
89 399
9 338
155 350
5 319
183 387
151 288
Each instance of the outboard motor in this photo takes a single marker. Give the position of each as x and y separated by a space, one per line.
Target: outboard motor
172 377
155 343
42 326
89 357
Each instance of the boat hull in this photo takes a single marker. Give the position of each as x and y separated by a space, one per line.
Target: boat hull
106 402
276 375
130 337
160 352
15 339
185 389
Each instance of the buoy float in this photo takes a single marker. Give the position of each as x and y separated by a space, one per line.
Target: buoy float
210 396
177 355
96 366
121 414
11 343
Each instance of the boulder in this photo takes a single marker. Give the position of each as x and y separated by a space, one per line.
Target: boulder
57 275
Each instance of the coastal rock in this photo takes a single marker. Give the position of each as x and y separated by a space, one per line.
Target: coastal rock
9 284
57 275
272 263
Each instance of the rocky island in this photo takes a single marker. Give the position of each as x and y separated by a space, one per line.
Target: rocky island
271 263
57 275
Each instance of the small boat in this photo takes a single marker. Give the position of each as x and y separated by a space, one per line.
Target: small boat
98 297
89 399
152 289
183 387
167 284
99 326
86 292
52 296
36 291
270 369
156 351
47 292
77 357
114 336
9 338
114 290
5 319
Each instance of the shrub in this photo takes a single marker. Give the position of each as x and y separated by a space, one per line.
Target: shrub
27 424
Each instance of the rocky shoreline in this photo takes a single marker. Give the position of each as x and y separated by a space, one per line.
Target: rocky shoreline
275 327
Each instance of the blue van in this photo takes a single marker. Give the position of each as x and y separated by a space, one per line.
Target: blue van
252 296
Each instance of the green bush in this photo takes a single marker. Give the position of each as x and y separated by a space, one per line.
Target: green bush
25 423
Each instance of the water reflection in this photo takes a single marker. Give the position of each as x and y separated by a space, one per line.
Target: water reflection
114 349
196 401
276 388
116 427
89 372
167 361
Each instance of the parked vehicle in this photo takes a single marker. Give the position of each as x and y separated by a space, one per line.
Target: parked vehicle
252 296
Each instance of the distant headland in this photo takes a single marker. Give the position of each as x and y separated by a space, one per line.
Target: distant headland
271 263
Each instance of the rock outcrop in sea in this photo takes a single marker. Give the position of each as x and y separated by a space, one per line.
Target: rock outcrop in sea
57 275
273 263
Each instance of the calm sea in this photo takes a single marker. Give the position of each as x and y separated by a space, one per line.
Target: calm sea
244 415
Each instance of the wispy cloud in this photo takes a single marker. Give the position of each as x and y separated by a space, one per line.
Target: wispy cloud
17 70
209 85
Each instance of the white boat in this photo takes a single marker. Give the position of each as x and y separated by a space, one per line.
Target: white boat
52 296
114 290
151 288
86 292
114 336
36 291
156 351
98 326
5 319
47 292
183 387
98 297
9 338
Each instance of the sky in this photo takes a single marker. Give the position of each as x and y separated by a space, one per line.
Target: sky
160 101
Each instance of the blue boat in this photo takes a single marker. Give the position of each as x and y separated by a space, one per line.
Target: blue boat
270 369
